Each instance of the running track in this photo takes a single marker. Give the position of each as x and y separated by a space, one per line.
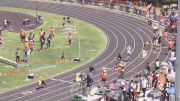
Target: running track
120 31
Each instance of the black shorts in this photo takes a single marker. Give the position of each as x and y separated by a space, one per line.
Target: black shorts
69 41
17 57
104 79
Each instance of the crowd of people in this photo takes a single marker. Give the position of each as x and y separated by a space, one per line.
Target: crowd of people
158 80
44 40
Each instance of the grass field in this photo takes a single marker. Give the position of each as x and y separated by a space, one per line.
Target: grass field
92 43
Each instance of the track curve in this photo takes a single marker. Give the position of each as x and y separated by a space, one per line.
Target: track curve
120 30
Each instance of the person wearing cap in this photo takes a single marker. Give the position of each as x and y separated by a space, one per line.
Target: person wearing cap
104 76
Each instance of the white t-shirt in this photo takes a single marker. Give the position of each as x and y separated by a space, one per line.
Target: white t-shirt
144 83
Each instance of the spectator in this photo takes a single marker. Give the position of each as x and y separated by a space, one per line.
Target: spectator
132 89
144 86
157 64
17 56
162 78
104 76
89 81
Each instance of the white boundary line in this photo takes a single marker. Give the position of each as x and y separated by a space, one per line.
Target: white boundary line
61 88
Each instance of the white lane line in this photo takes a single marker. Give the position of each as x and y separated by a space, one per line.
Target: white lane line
97 81
83 70
151 49
68 86
60 80
104 50
96 75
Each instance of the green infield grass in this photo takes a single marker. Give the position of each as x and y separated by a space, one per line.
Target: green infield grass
47 63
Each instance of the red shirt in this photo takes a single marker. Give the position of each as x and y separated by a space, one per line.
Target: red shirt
119 71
